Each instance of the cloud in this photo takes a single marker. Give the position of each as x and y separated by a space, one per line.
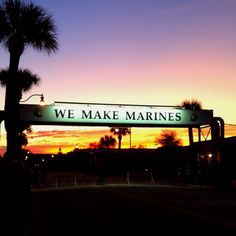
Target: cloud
67 133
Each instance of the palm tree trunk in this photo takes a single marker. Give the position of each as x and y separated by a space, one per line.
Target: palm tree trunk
119 138
190 134
12 110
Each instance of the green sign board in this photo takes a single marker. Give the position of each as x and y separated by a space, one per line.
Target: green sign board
113 115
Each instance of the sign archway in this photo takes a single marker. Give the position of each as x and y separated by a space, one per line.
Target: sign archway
121 115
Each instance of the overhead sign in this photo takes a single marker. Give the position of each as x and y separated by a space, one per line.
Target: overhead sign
113 115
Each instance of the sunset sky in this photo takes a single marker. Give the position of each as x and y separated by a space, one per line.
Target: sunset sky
144 52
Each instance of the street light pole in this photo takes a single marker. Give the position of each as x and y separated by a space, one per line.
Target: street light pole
33 95
130 137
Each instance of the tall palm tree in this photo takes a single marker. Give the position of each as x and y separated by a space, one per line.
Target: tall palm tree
26 80
120 132
22 25
191 105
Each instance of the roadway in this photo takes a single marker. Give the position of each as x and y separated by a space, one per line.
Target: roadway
131 209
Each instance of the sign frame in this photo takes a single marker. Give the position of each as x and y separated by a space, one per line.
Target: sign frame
113 115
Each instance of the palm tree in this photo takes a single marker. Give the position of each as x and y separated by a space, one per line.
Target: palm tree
26 81
168 138
191 105
23 135
107 141
120 132
22 25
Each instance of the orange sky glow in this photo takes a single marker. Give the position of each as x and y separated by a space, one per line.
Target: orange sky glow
49 141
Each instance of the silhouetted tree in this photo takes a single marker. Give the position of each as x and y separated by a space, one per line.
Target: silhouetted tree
120 132
107 142
191 105
93 145
21 25
168 138
26 129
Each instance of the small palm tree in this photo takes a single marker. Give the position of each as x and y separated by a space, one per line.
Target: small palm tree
107 142
168 138
191 105
22 25
120 132
23 135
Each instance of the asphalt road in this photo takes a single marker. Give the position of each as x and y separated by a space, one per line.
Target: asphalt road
132 210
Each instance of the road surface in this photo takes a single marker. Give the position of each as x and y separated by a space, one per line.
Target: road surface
132 210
